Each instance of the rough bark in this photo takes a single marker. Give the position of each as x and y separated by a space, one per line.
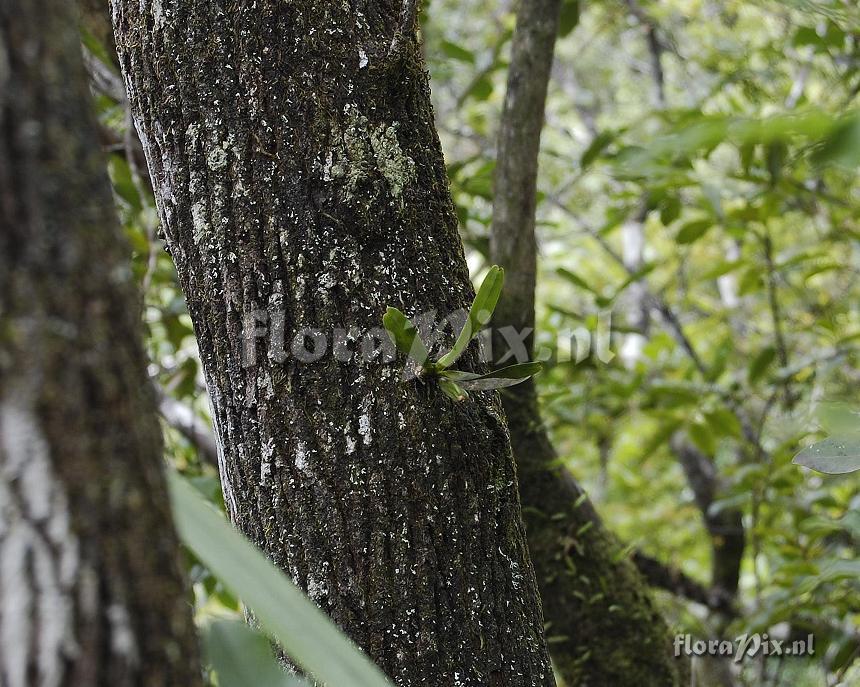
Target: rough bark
602 624
91 591
297 168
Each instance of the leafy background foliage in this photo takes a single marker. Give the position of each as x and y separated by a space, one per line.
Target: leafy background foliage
733 166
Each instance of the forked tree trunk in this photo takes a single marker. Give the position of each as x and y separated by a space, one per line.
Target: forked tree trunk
91 592
297 168
604 627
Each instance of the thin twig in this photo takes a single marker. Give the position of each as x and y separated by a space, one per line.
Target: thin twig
776 316
656 301
655 50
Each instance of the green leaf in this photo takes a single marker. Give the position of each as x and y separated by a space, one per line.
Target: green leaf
760 364
405 336
833 456
720 268
839 419
480 313
638 275
569 17
600 143
242 657
481 89
703 438
693 231
807 35
480 182
457 52
670 210
453 390
747 155
283 611
750 281
776 155
724 422
575 279
497 379
842 144
98 49
123 184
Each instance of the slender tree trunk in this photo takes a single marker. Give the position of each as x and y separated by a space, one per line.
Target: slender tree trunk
603 626
91 591
726 527
297 169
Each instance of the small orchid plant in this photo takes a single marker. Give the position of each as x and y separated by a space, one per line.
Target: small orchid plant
456 384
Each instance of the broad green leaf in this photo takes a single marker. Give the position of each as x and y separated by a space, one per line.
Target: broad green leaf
281 608
575 279
844 655
638 275
242 657
702 134
457 52
670 210
833 456
724 422
481 89
569 17
721 268
480 181
600 143
703 437
123 183
480 313
750 281
452 390
760 364
672 394
98 49
405 336
842 145
497 379
693 231
839 419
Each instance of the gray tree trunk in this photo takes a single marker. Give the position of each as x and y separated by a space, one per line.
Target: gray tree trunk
603 624
91 593
297 168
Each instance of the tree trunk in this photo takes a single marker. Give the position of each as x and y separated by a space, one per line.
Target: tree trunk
297 169
725 527
603 625
91 591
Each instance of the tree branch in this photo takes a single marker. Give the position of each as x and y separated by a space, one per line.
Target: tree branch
726 528
673 580
197 432
574 538
655 50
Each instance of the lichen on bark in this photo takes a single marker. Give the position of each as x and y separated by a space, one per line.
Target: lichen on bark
395 509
